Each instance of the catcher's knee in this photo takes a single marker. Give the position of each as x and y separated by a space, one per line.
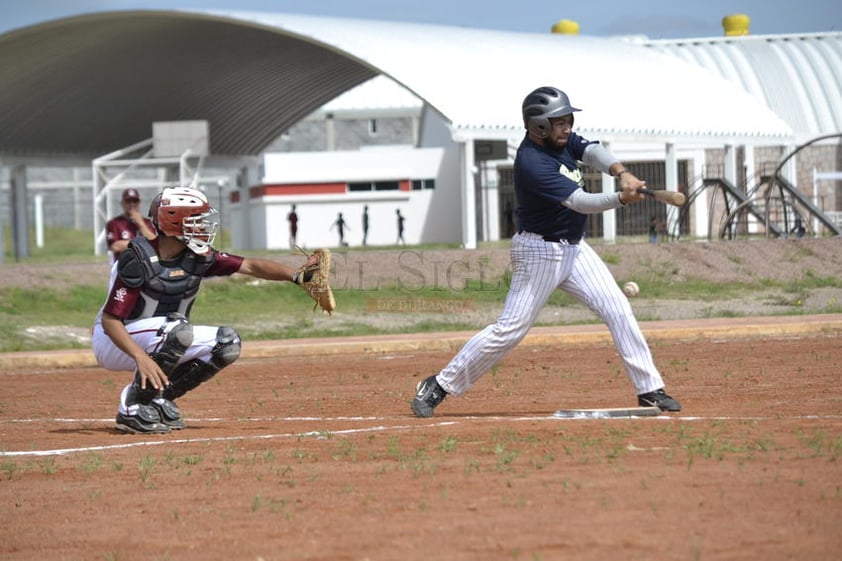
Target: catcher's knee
191 374
227 348
178 336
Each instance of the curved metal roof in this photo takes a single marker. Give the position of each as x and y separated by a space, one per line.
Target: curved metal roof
90 84
95 83
799 76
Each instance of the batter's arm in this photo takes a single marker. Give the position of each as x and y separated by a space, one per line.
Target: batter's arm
629 183
150 372
598 156
593 203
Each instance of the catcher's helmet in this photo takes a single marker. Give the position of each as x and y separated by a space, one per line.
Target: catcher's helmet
542 105
186 214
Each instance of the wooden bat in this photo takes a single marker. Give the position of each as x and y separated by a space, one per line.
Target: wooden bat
667 197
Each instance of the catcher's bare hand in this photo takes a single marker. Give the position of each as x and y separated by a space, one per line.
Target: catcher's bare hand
151 374
314 276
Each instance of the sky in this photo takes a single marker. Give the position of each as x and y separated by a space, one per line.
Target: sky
657 19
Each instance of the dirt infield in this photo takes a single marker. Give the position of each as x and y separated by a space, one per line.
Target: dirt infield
315 456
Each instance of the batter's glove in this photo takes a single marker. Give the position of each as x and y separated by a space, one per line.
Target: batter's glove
313 277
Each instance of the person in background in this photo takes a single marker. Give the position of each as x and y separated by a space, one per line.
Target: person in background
340 225
798 229
292 218
401 220
122 229
365 225
654 224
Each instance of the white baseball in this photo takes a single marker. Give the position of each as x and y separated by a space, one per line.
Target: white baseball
631 289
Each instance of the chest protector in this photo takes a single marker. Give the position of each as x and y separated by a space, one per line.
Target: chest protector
166 286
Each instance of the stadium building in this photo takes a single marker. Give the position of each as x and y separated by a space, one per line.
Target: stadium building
266 110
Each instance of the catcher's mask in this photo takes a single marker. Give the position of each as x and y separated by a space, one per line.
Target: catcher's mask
186 214
543 104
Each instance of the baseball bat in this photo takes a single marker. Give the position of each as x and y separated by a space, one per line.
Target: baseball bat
667 197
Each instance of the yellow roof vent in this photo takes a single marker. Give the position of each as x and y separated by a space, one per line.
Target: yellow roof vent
735 24
566 27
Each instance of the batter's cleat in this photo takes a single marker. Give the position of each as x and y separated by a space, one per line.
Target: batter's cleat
658 399
428 395
169 413
140 419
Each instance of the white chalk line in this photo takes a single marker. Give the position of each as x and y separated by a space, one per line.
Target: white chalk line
318 434
325 434
203 420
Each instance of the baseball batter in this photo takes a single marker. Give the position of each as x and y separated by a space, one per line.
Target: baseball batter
548 252
144 325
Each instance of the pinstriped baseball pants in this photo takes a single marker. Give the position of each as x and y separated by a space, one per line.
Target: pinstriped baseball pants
538 268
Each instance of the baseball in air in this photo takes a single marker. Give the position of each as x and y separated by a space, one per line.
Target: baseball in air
631 289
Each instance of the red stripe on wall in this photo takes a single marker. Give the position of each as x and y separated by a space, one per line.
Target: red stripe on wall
298 189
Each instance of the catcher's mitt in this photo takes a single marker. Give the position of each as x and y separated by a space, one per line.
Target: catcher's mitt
313 277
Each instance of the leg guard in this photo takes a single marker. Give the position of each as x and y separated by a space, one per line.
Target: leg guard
134 394
178 336
189 375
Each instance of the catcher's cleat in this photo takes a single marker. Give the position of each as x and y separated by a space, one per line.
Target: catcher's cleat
428 395
658 399
169 413
140 419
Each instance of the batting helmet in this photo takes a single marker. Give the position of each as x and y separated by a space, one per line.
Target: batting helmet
542 105
186 214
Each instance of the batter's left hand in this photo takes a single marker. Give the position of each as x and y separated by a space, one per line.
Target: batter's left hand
629 183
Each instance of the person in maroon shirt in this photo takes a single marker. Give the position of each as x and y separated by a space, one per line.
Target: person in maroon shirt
122 229
145 325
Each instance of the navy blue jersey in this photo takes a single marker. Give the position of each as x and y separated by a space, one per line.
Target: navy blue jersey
543 180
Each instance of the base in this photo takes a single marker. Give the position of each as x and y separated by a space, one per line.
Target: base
618 412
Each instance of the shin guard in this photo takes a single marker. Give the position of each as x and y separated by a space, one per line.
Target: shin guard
178 336
189 375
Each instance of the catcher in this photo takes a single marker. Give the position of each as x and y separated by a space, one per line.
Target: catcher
145 325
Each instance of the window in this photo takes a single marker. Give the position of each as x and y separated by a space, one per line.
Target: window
419 184
374 186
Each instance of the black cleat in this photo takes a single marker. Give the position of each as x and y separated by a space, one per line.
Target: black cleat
169 413
428 394
140 419
658 399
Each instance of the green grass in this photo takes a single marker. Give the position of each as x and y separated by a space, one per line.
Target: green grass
265 310
59 244
259 311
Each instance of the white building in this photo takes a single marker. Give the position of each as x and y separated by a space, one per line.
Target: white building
694 120
683 112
